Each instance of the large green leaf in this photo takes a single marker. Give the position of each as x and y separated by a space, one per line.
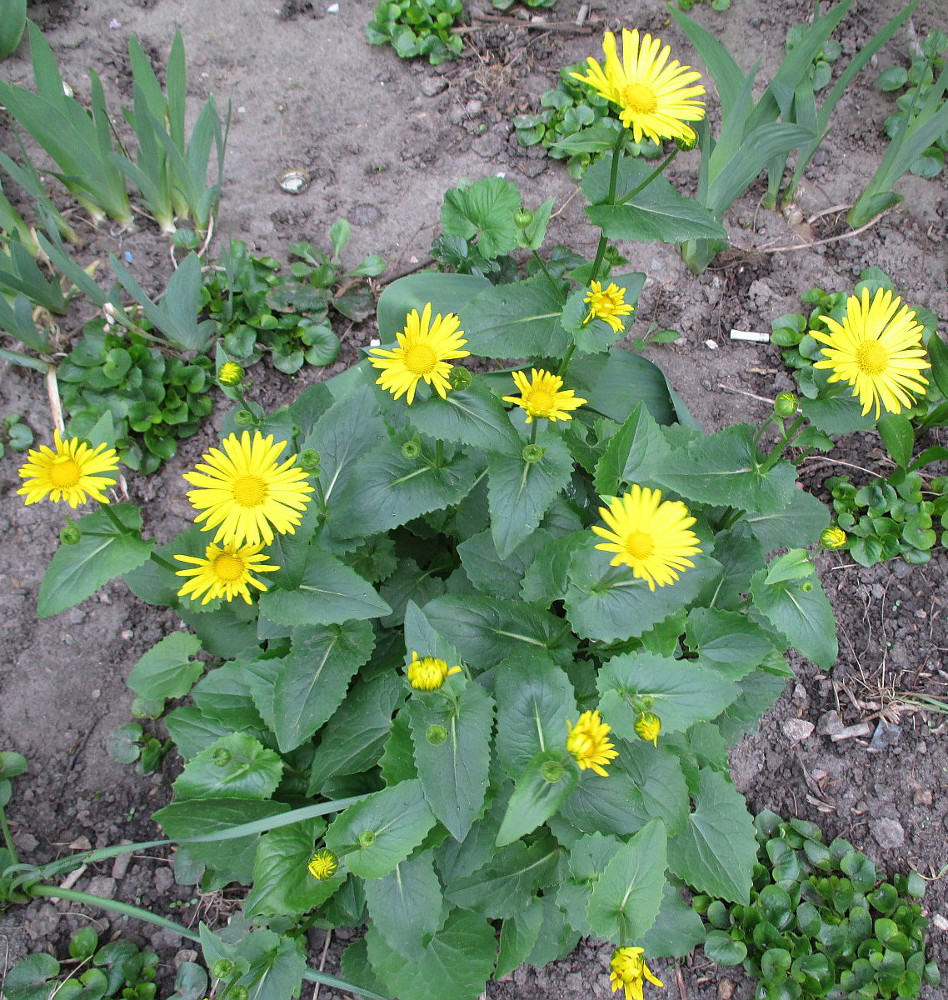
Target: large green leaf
729 643
683 693
387 489
623 904
588 859
455 965
329 592
11 30
102 553
611 381
632 454
30 978
484 211
314 676
167 670
474 417
519 492
716 851
406 906
796 526
800 612
495 576
677 928
485 630
233 767
352 740
384 828
535 703
192 732
518 936
447 292
604 606
508 882
520 320
454 772
279 883
722 469
545 784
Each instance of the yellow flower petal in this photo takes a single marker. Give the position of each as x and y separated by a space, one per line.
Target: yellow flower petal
542 396
72 471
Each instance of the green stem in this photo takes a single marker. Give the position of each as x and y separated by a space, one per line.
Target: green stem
648 180
439 454
124 529
533 431
557 290
610 200
760 433
771 460
564 364
161 561
7 838
25 360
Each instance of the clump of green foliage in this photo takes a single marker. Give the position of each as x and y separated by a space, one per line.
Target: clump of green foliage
891 517
715 4
14 433
821 922
117 969
821 69
916 82
261 311
418 28
155 399
569 108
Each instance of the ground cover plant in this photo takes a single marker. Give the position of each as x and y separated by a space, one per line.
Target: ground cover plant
587 442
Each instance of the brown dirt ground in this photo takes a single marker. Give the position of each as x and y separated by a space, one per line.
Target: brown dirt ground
383 139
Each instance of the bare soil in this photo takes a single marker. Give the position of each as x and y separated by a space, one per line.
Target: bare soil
382 140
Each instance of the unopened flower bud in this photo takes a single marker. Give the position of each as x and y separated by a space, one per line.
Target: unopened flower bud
223 968
687 144
532 453
436 735
807 586
523 217
647 727
222 757
785 405
612 255
230 373
323 864
367 838
552 771
833 538
244 418
69 534
411 449
460 378
238 993
309 460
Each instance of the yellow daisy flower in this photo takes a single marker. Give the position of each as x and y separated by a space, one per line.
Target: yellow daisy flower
225 571
656 97
588 741
629 970
542 396
833 538
323 864
647 727
242 490
652 537
428 673
423 352
878 350
72 471
607 305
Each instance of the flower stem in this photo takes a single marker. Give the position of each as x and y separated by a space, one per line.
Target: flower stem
557 290
7 838
610 200
771 460
533 431
648 180
564 364
161 561
124 529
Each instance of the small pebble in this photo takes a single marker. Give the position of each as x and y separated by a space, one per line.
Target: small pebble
922 797
102 886
887 832
797 729
725 989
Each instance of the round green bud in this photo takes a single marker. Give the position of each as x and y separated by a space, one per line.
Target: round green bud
69 534
612 255
523 217
309 460
532 453
806 586
785 405
436 735
411 449
552 771
244 418
238 993
222 757
686 145
367 838
460 378
223 968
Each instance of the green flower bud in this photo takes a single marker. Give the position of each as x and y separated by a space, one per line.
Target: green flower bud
686 145
222 757
612 255
411 449
238 993
523 217
223 968
532 453
436 735
309 460
244 418
552 771
367 838
460 378
806 586
69 534
785 405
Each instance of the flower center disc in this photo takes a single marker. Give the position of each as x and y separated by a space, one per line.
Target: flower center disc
639 545
228 568
421 359
871 357
64 474
639 98
541 402
250 491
